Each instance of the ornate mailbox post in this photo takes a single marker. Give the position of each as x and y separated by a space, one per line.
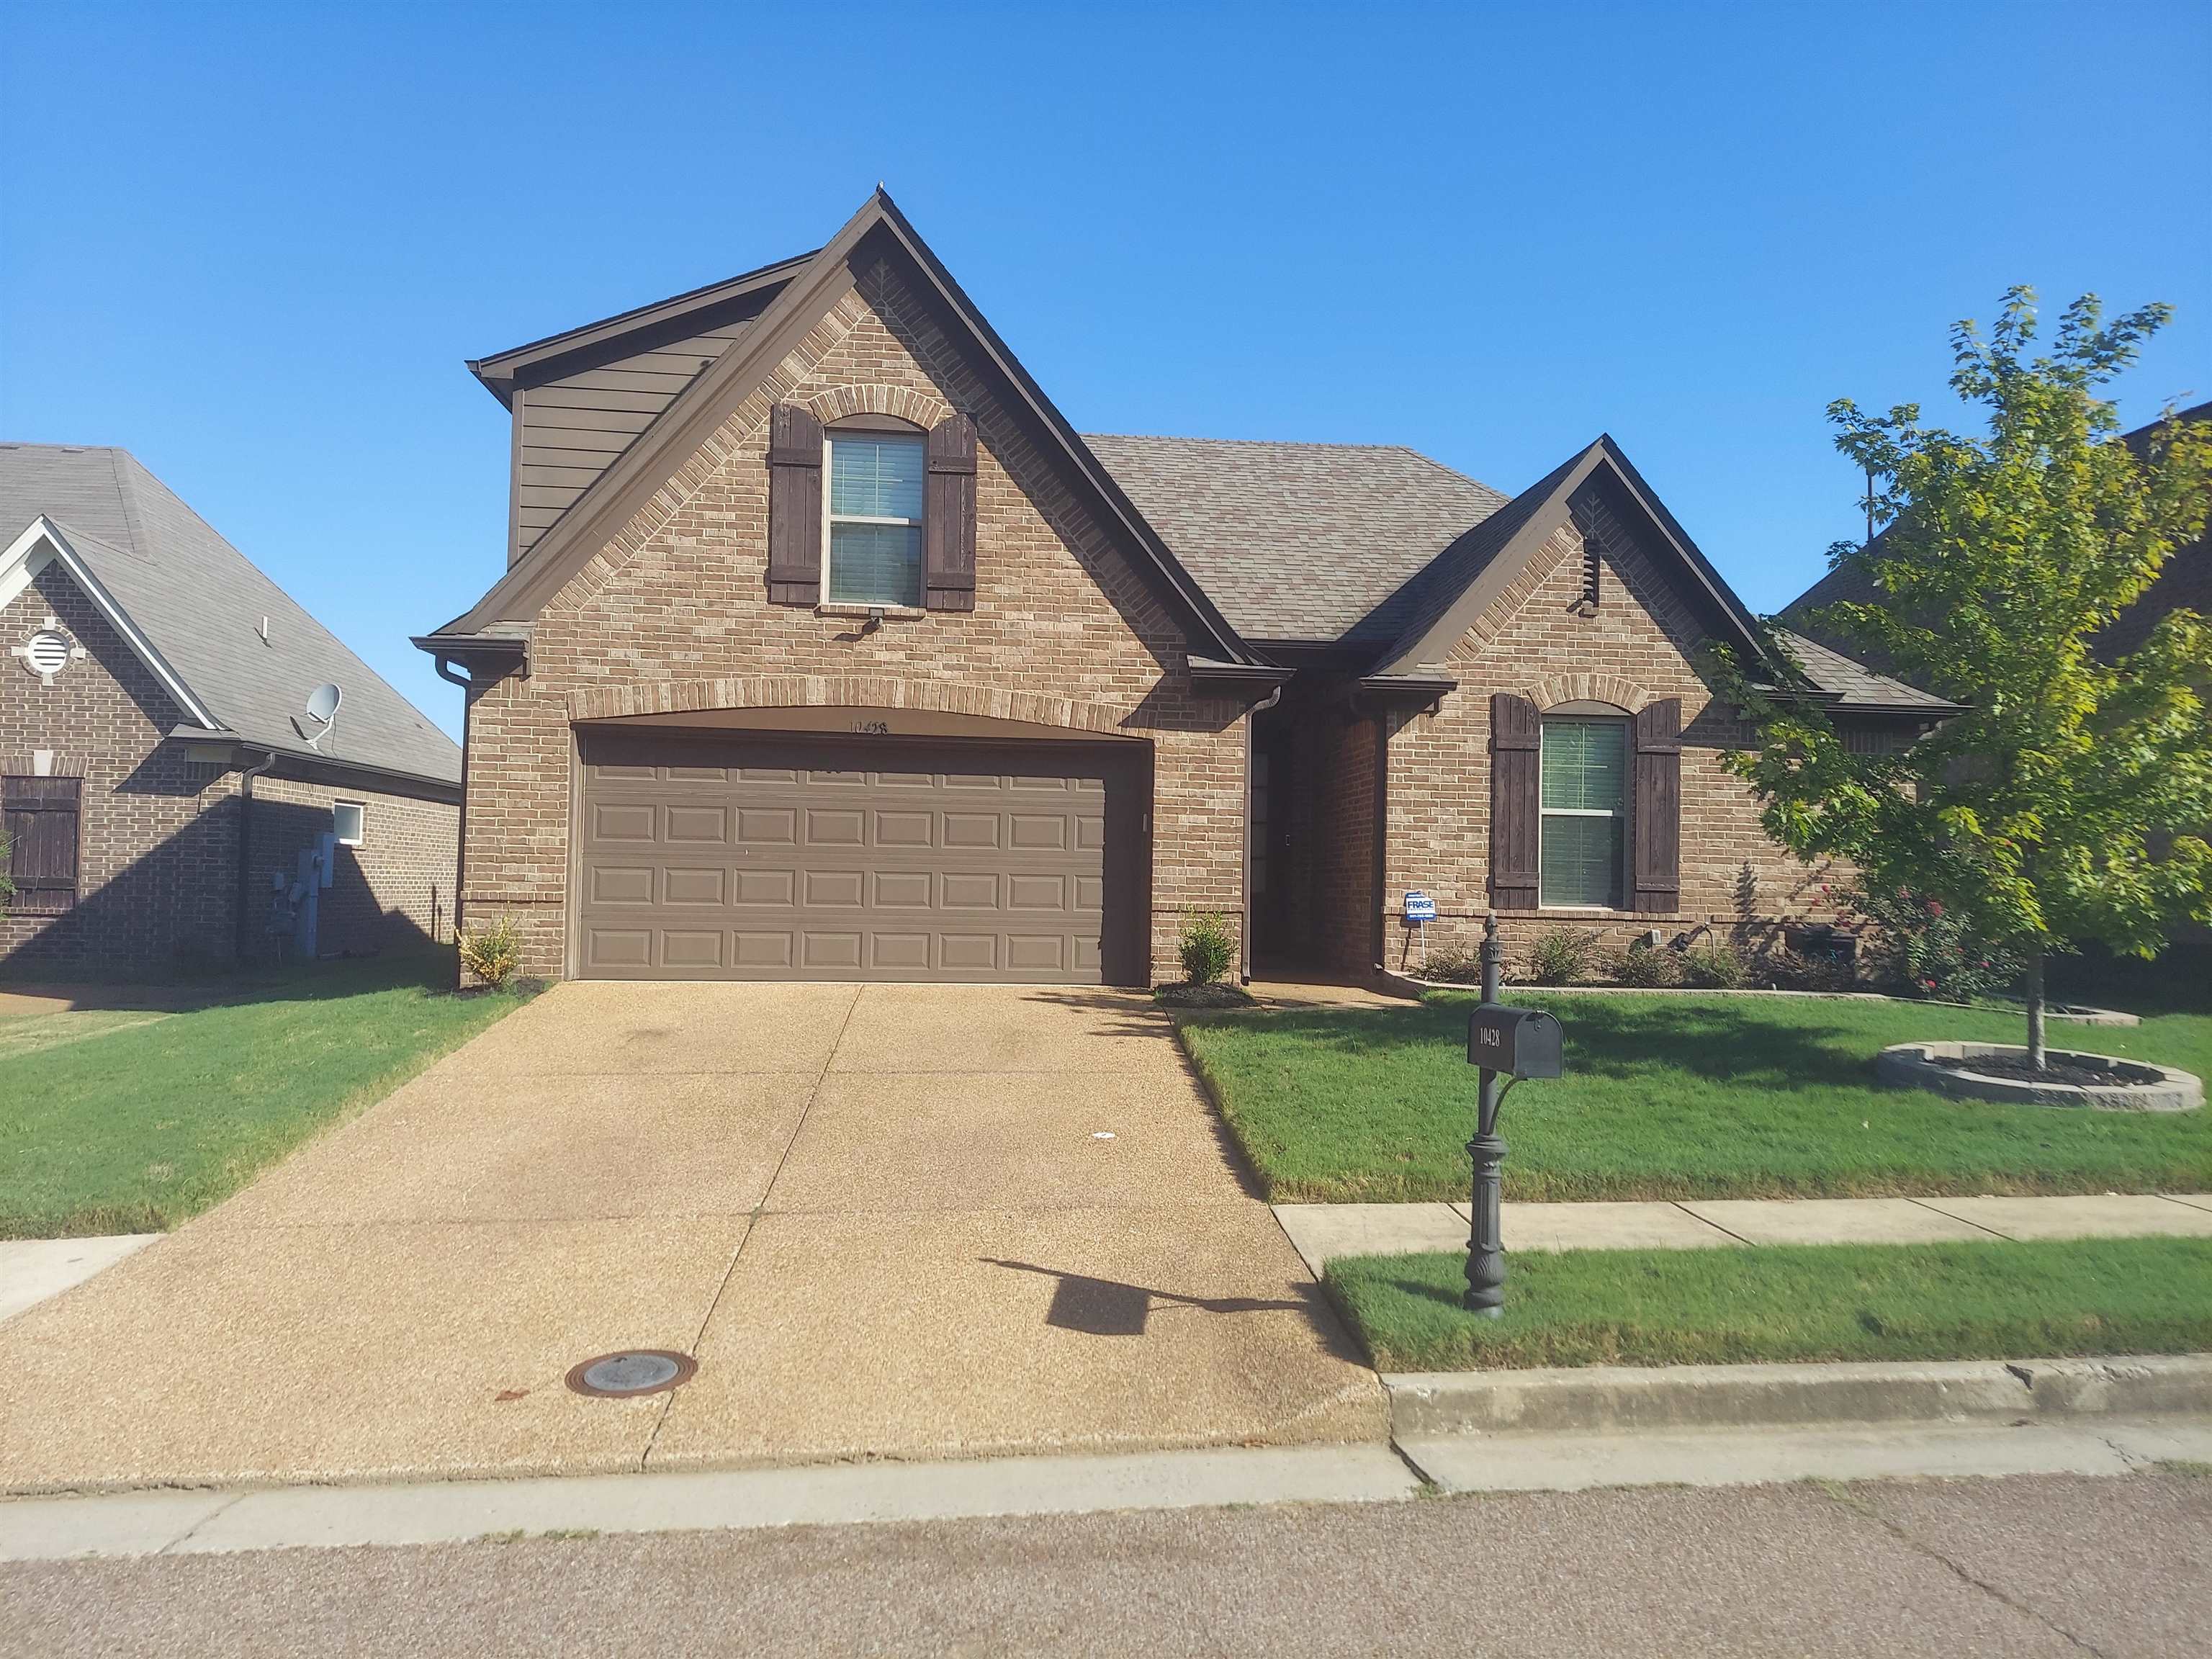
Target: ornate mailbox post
1512 1043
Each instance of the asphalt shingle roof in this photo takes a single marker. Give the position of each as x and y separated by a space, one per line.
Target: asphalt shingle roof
1299 541
1859 686
200 601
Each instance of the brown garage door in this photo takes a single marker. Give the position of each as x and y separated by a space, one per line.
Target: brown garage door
889 859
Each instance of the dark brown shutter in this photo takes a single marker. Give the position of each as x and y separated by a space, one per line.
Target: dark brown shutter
949 516
795 506
41 818
1515 731
1655 831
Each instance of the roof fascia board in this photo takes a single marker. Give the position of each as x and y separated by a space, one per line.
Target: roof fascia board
306 766
676 434
1716 586
680 431
24 560
1485 586
500 371
1222 638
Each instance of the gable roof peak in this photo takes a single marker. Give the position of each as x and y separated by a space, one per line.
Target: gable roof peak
688 422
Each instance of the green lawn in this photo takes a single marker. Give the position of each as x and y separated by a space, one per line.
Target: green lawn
130 1123
1677 1096
1978 1301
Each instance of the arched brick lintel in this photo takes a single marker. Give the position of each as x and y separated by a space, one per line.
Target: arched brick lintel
842 691
841 403
1554 689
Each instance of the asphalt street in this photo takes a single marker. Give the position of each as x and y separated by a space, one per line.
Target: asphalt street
2024 1567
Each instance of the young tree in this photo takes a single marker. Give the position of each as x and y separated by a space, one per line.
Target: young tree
2069 801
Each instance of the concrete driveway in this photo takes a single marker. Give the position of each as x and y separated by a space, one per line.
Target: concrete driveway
887 1220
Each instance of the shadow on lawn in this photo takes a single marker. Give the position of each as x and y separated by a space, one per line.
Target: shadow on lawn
1611 1037
433 971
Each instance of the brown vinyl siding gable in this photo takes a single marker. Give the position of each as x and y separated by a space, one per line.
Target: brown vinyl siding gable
571 429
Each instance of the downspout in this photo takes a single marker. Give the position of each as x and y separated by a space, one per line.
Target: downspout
445 667
1244 933
244 919
1380 936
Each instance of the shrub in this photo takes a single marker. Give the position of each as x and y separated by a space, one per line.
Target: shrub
491 953
1919 949
1714 966
1562 957
1208 948
1456 965
1646 967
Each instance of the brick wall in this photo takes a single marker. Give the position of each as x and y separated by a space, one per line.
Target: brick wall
158 834
1635 648
394 891
677 601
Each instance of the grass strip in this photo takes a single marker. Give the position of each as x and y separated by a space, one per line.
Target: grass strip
1677 1096
1992 1300
140 1123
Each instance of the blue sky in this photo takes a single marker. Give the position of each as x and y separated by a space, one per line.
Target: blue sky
254 244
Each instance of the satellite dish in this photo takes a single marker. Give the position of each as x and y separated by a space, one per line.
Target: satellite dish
322 708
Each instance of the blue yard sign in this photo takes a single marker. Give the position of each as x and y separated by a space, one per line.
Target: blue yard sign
1419 906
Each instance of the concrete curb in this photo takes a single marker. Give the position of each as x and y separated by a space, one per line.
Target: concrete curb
1608 1397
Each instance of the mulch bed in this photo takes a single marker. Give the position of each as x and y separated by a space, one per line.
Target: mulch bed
2015 1069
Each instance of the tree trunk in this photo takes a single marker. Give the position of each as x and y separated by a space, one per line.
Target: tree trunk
2035 1057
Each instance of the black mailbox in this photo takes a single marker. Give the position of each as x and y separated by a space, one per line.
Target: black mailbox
1519 1042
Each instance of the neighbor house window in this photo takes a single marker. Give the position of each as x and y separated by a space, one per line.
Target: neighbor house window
1585 811
347 822
874 512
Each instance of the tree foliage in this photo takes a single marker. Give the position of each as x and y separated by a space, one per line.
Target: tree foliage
2069 801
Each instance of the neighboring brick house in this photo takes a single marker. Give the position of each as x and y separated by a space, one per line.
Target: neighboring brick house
827 649
153 702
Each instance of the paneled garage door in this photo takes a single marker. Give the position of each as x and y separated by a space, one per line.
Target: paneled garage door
889 859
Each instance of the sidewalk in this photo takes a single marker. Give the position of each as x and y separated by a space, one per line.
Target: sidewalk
1323 1231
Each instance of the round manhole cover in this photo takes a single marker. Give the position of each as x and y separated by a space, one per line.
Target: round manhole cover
634 1371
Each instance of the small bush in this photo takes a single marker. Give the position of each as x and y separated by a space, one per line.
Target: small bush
1918 948
492 953
1562 957
1209 949
1648 967
1714 966
1456 965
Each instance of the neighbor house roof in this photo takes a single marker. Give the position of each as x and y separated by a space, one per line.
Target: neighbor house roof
1297 541
2186 581
193 605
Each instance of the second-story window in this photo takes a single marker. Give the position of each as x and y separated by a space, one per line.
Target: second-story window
874 520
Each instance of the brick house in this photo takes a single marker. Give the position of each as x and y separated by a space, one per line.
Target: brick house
160 769
827 648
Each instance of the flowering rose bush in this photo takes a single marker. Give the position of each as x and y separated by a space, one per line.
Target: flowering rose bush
1919 949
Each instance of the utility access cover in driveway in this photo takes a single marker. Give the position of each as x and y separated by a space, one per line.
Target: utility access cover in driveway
877 1215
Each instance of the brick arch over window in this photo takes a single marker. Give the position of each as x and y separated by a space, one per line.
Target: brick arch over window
1623 694
841 403
843 692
